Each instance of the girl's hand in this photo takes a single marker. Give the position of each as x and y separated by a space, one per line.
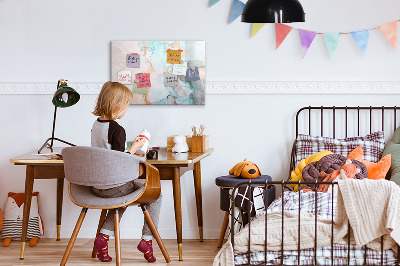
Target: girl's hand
137 144
143 155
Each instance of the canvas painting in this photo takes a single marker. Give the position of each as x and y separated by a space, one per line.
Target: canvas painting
162 72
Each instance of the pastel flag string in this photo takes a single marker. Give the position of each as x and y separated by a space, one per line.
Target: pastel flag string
237 9
306 39
389 30
332 41
281 31
361 37
213 2
256 27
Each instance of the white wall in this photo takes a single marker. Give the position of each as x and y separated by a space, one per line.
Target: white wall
42 41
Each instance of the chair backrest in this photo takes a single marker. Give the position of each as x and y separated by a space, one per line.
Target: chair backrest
91 166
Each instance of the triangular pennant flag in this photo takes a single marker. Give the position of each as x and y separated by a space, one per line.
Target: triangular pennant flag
389 30
256 27
213 2
237 9
361 37
281 31
332 41
306 39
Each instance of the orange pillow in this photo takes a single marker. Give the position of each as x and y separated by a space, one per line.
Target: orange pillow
375 170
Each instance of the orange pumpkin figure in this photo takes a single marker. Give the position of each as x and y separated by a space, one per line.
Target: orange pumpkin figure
245 169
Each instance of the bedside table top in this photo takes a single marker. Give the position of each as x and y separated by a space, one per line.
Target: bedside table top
230 181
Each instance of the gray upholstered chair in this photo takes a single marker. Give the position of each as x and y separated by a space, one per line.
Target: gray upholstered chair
85 167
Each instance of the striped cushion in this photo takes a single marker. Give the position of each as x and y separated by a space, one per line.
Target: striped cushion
13 228
372 145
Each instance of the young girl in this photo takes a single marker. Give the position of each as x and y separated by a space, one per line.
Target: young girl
112 104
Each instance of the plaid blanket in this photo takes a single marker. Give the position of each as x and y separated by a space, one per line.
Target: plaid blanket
306 201
340 254
323 205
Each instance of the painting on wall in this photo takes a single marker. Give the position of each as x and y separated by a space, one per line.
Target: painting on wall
161 72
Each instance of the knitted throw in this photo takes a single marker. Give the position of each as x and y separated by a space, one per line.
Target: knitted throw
373 209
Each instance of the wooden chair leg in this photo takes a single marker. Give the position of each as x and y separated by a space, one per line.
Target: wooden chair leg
101 222
73 237
154 230
223 229
117 238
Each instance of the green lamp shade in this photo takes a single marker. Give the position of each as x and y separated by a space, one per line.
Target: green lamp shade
65 96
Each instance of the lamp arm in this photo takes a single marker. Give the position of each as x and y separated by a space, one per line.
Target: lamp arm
55 115
54 126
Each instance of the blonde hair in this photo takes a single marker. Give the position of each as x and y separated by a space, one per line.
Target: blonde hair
112 99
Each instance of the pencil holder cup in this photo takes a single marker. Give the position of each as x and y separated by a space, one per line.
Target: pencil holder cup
200 143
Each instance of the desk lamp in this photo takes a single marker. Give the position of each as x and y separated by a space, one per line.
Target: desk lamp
273 11
64 96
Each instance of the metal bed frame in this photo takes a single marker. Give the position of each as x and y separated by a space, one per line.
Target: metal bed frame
283 184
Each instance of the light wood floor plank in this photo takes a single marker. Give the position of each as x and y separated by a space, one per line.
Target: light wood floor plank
49 252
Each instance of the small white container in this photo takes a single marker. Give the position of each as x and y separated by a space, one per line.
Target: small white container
144 134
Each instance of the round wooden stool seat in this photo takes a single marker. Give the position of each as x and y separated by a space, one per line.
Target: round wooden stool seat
230 181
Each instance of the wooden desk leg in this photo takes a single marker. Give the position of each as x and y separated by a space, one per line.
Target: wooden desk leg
176 183
199 204
27 206
60 191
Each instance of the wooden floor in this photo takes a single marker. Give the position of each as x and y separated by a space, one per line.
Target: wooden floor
50 252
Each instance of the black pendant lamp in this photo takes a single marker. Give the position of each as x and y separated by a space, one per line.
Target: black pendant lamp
273 11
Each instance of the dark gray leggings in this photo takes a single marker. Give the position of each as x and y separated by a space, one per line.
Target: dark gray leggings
154 208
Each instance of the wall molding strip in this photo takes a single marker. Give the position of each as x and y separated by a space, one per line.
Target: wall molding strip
231 87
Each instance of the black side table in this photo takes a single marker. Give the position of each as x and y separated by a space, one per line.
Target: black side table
226 183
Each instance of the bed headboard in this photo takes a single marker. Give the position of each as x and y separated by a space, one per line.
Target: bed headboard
347 116
344 121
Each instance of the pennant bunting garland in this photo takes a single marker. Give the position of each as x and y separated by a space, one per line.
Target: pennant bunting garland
361 37
256 27
213 2
332 41
237 9
306 39
281 31
389 30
